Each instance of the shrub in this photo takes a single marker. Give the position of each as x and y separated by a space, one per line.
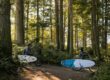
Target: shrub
103 72
49 54
53 56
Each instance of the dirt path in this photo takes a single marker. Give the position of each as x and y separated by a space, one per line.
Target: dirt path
49 72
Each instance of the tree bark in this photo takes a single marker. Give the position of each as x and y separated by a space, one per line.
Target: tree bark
57 23
20 22
64 28
6 60
84 37
61 28
76 37
104 27
5 30
51 30
95 32
27 19
37 27
70 26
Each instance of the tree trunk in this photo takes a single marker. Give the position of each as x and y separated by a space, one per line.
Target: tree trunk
57 23
70 27
61 30
20 22
37 27
64 25
6 61
43 21
5 30
95 32
84 37
51 30
76 37
104 28
27 19
42 35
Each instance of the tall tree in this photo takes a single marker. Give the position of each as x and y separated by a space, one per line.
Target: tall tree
61 29
27 17
38 27
20 22
70 26
95 28
5 30
64 27
43 6
84 30
76 37
6 61
51 30
104 25
59 24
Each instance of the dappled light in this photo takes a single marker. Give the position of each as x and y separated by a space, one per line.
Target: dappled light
54 39
48 72
39 75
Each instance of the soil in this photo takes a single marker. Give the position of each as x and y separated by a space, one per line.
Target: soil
52 72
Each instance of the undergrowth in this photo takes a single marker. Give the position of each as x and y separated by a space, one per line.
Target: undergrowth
103 72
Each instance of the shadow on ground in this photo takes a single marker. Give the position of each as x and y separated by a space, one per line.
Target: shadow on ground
49 72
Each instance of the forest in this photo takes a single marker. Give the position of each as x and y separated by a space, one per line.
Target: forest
55 30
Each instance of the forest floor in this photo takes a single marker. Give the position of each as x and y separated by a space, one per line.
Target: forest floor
52 72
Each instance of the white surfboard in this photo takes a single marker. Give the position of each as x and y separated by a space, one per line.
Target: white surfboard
26 58
83 63
77 63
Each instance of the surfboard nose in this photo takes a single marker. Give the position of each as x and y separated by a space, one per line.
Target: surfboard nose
68 63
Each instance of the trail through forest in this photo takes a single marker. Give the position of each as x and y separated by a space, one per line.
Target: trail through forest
50 72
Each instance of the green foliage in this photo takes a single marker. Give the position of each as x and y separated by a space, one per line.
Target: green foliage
53 56
8 76
103 72
4 63
17 49
8 66
49 54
